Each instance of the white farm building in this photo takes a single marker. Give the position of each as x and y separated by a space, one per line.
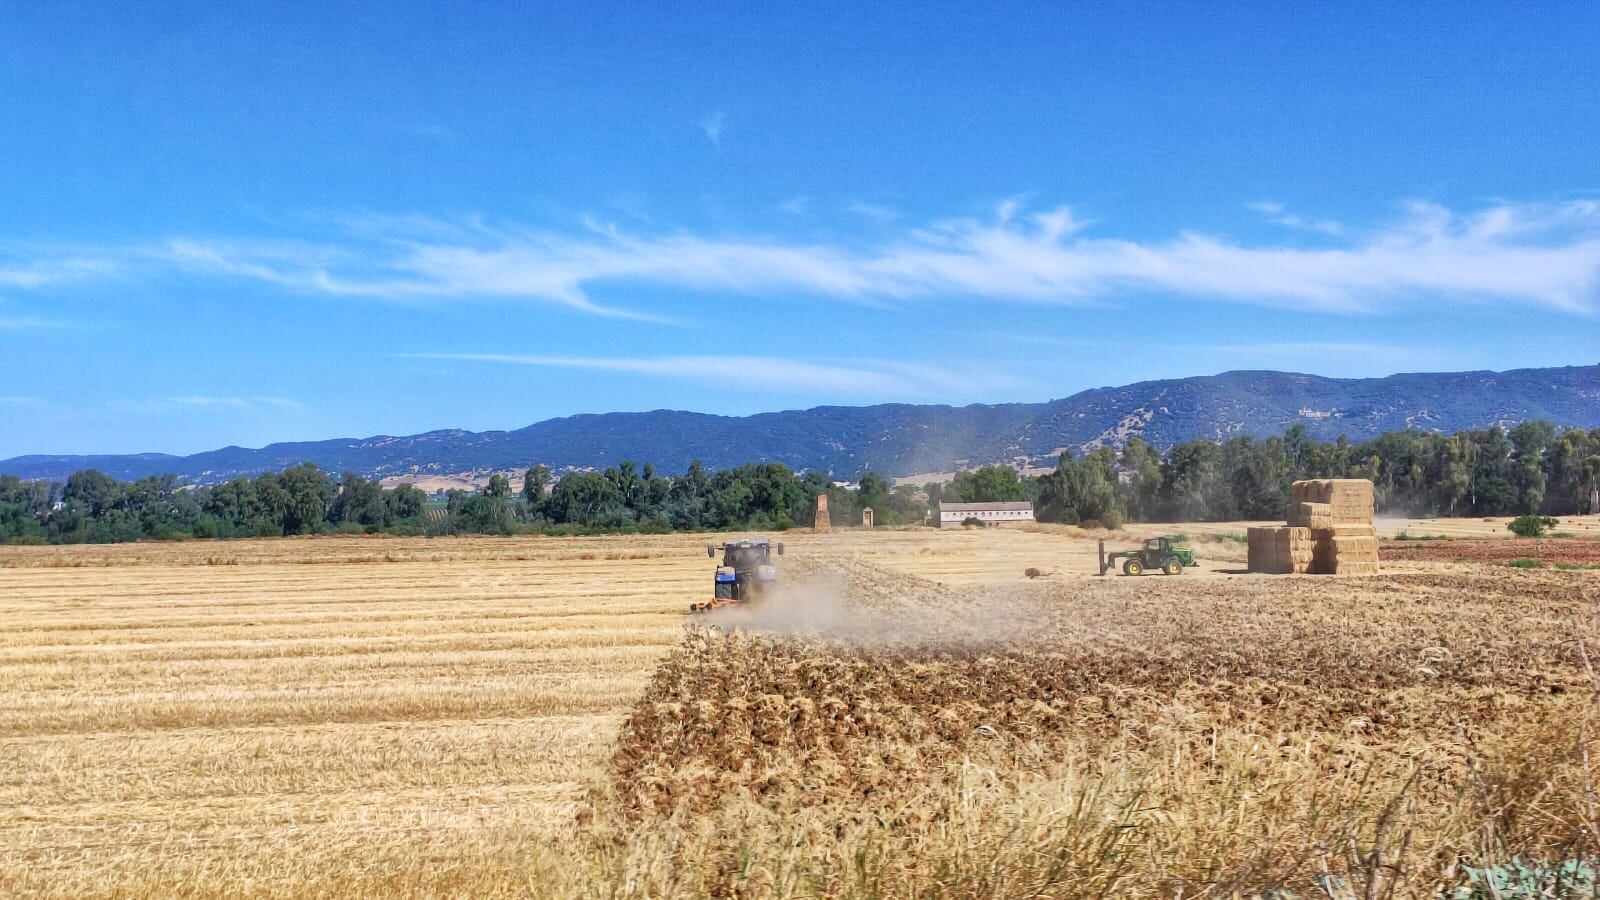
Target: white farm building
953 514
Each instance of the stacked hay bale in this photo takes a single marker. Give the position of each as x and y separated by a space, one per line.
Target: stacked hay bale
1281 551
1329 531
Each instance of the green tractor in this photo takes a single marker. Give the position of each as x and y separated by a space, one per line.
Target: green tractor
1157 555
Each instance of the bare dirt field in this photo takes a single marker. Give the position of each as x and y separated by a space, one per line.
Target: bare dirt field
530 716
1490 528
1567 551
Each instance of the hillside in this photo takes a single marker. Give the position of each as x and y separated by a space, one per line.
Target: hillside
903 439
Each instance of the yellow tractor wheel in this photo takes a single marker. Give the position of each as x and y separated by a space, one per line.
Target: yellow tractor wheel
1173 567
1133 567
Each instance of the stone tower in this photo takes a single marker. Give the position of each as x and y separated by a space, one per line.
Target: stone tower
866 517
821 522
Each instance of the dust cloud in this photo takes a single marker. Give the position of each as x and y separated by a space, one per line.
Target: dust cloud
853 602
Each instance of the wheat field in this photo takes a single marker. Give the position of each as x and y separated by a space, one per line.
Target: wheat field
530 716
281 714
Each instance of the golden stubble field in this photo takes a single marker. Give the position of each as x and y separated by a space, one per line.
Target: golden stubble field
379 717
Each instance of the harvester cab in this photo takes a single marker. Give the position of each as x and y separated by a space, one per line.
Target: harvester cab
1157 555
747 572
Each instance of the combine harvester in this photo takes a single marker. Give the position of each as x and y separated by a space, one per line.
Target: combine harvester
747 572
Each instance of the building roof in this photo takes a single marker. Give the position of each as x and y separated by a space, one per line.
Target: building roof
1004 505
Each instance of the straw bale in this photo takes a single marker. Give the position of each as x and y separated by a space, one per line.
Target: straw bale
1307 514
1279 550
1348 565
1345 550
1350 498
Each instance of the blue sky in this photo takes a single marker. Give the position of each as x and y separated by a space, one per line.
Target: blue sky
242 223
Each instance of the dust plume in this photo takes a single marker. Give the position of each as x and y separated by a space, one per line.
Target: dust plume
858 603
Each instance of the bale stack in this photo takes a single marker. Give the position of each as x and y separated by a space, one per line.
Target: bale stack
1329 531
1347 550
1281 551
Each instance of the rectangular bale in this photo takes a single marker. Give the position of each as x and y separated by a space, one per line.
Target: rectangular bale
1314 490
1349 490
1351 500
1308 514
1278 550
1294 550
1263 544
1347 565
1355 543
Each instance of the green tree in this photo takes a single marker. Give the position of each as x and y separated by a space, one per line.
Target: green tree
989 484
585 498
1081 490
406 504
534 482
298 497
92 489
361 502
1530 442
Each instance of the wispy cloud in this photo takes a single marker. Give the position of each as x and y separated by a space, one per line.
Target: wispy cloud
35 267
29 323
713 126
16 400
1319 356
241 404
1531 255
873 211
429 130
1289 348
765 373
1278 214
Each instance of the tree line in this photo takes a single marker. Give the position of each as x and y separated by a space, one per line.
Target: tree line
1532 469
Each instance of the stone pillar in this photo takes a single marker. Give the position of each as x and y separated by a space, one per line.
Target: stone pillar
821 522
1594 501
866 517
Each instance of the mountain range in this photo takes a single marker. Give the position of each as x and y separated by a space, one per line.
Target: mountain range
904 439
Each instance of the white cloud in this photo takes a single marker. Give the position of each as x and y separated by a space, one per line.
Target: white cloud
713 126
20 323
765 373
873 211
1528 255
241 404
1289 348
48 268
1277 214
1537 256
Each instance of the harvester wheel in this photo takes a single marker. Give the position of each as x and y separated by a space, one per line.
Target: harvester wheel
1173 567
1133 567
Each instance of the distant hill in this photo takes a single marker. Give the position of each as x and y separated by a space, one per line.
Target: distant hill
903 439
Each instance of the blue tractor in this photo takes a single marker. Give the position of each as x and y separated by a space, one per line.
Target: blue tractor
747 572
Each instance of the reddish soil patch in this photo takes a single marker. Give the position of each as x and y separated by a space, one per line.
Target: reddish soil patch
1560 550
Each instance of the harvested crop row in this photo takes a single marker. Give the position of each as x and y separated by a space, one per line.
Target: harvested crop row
1323 695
